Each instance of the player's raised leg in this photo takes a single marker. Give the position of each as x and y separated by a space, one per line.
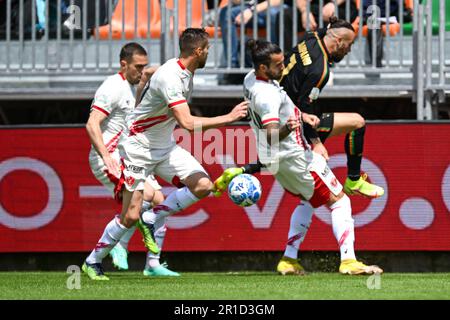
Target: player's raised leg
197 186
353 126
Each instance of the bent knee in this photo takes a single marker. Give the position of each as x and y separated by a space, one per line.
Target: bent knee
358 121
203 188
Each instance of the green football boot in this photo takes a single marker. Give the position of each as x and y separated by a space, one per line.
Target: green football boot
94 271
221 183
362 187
119 257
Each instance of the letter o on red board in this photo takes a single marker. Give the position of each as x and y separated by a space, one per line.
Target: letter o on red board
55 194
376 207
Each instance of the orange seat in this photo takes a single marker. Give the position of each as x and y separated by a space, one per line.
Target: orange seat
196 18
394 29
128 29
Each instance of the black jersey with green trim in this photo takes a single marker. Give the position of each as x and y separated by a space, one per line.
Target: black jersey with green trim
306 71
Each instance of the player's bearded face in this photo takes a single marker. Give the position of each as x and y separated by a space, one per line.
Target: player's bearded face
276 67
203 56
343 48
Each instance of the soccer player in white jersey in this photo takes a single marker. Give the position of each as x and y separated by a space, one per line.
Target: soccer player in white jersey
277 124
149 146
114 99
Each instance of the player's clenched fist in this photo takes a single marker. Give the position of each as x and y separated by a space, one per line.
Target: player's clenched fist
311 119
239 111
292 123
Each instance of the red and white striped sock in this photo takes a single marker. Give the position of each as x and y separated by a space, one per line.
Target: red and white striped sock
343 227
300 221
125 240
112 234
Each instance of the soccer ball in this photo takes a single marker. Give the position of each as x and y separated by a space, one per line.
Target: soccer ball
244 190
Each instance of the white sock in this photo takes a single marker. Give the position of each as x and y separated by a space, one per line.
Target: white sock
343 227
112 234
300 221
152 260
175 202
126 238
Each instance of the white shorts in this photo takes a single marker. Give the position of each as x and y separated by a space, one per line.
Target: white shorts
306 175
111 182
173 164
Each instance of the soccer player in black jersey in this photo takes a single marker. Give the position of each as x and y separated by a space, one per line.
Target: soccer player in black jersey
305 75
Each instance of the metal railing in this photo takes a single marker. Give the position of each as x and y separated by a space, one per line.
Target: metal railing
81 37
432 66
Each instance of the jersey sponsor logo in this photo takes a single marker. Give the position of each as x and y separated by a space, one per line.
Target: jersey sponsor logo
134 169
304 54
325 171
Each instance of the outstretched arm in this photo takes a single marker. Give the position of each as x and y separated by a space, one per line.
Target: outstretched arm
189 122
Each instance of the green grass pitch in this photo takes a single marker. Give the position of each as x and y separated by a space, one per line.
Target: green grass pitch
217 286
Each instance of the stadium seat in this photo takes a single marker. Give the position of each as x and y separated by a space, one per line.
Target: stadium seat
128 28
196 17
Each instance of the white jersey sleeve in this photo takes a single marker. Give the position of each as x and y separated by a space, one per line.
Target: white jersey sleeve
267 105
106 98
172 92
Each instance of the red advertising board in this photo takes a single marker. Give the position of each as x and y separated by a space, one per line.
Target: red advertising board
51 202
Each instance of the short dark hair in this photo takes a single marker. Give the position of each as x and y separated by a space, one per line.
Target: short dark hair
261 50
130 49
191 39
336 23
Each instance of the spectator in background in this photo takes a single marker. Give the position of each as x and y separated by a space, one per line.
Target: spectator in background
237 20
375 27
328 10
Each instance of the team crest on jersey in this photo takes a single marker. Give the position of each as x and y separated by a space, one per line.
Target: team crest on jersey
130 180
334 182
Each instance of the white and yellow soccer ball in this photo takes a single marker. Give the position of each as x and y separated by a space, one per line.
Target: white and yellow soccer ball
244 190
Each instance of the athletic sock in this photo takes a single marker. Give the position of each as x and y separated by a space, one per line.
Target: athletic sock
354 143
300 221
112 234
175 202
152 260
123 242
343 227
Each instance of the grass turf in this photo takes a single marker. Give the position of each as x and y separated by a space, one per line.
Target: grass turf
215 286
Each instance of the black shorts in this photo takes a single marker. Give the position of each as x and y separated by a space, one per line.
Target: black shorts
325 126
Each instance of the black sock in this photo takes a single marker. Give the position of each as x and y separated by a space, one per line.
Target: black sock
354 142
253 167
